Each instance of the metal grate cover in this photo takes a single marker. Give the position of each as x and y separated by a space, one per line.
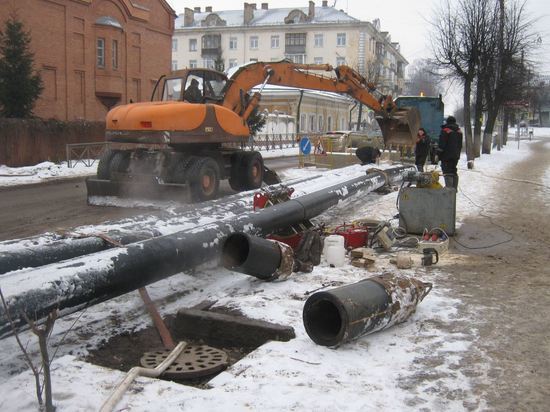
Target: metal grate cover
195 361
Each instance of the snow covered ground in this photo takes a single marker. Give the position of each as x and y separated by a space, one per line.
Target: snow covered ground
376 372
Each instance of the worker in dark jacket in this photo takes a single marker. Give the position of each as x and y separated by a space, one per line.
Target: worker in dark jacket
450 146
421 149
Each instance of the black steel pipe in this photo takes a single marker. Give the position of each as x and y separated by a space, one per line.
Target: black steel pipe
339 315
42 250
91 279
251 255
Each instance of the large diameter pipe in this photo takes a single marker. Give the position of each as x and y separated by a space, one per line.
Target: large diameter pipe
46 249
256 256
91 279
340 315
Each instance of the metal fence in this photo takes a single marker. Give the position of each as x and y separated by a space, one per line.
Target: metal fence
85 153
275 141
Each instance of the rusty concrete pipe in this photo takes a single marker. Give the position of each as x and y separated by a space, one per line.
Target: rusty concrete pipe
258 257
340 315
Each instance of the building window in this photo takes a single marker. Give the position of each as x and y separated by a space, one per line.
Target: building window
318 60
253 42
321 123
192 44
174 44
232 63
303 124
114 52
341 39
254 60
318 40
295 39
100 52
329 123
233 43
311 122
274 42
340 61
343 124
297 58
209 63
174 65
192 64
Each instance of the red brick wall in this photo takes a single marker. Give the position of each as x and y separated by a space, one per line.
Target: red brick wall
64 34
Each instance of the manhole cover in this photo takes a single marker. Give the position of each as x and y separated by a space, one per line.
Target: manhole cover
193 362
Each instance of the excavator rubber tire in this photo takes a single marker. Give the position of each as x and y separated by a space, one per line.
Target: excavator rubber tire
235 179
252 170
204 178
104 165
119 162
179 173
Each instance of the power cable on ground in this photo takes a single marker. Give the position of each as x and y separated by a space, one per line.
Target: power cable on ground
482 209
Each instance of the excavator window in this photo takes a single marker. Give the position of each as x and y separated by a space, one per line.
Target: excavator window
172 90
193 89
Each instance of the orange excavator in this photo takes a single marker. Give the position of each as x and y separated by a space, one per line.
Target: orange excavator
194 130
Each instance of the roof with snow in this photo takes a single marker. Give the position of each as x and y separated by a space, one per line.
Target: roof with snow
269 17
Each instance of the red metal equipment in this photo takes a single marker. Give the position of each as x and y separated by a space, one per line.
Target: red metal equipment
355 235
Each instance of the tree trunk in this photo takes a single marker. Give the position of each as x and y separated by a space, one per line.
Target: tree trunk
488 133
470 155
505 126
478 118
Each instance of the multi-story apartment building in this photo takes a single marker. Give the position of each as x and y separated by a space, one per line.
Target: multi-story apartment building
228 38
94 54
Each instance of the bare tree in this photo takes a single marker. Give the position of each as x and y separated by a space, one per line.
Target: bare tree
423 79
511 72
457 32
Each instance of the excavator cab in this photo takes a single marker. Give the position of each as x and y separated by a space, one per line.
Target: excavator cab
192 86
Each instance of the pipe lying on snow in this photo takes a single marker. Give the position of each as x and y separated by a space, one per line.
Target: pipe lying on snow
91 279
43 250
256 256
339 315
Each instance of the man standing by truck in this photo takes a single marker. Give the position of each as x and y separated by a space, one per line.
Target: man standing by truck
450 146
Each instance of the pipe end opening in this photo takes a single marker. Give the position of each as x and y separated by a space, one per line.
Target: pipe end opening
235 250
323 322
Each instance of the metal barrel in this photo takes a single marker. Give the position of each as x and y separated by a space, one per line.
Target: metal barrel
251 255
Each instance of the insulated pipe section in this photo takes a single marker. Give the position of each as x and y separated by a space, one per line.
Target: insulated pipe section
258 257
91 279
337 316
46 249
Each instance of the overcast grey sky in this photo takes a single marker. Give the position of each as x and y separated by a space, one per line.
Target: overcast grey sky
406 20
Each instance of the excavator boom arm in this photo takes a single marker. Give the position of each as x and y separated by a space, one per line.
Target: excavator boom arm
304 76
398 127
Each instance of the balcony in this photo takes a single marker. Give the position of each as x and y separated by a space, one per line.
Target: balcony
211 51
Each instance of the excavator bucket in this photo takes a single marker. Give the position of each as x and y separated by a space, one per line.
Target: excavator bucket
401 127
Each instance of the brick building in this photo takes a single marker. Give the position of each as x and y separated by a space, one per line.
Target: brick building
94 54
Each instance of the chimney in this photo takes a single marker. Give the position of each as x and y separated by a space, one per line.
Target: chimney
208 9
325 3
311 13
188 17
265 6
197 9
248 13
